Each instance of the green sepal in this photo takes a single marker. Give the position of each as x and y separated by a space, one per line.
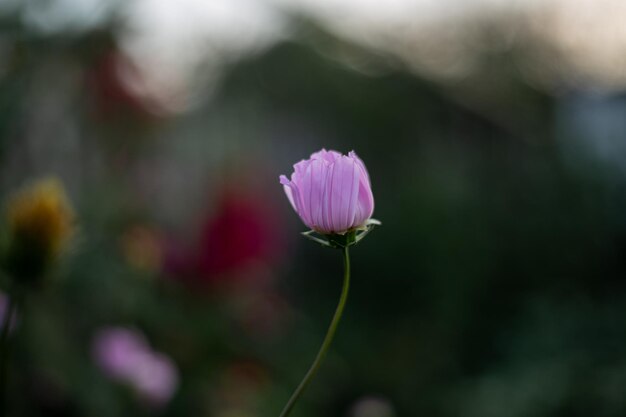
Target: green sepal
349 238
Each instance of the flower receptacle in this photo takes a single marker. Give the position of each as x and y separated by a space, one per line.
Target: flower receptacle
342 240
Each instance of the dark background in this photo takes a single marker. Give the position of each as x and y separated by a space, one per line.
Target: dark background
495 286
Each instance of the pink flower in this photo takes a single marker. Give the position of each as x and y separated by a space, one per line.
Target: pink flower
331 192
155 378
125 356
116 350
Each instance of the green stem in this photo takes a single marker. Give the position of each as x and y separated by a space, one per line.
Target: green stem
327 340
4 350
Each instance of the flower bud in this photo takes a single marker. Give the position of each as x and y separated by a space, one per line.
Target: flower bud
39 223
331 192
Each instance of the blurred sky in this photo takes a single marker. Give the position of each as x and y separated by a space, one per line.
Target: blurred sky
572 42
588 35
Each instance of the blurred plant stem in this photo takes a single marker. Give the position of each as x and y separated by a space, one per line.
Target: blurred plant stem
4 349
330 334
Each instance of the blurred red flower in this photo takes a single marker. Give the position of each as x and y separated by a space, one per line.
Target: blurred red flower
239 241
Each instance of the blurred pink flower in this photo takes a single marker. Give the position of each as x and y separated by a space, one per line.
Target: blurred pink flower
125 356
155 378
116 349
330 192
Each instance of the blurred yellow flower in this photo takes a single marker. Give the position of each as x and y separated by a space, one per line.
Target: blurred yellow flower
40 223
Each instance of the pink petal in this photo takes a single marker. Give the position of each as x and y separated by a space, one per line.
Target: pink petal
318 172
360 163
344 193
326 223
287 187
293 191
300 206
299 169
304 188
365 204
328 156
